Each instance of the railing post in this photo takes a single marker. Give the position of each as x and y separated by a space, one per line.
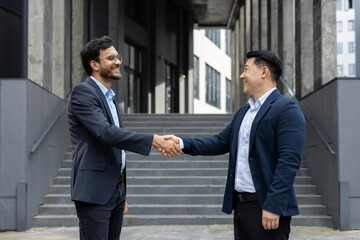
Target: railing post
21 196
344 206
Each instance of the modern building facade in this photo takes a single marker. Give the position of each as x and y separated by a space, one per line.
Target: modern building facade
40 42
212 71
345 35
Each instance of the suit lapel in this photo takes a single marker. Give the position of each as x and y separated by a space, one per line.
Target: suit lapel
263 109
102 98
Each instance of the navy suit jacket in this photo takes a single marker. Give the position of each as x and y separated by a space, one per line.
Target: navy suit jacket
276 142
97 144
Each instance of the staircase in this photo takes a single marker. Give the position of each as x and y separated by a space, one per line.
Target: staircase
180 190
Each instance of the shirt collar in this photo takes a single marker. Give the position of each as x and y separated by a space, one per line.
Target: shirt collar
109 94
261 100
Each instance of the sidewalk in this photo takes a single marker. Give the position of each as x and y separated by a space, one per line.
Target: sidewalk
193 232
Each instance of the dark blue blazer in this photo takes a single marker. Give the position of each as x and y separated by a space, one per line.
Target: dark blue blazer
276 142
97 144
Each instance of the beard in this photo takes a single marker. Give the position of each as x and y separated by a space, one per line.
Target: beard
107 73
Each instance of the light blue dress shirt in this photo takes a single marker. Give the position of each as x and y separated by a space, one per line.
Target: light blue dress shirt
243 177
110 96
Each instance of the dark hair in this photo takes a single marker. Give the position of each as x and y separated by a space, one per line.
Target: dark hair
91 51
269 59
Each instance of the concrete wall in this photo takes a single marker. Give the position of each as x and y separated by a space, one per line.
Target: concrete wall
25 177
336 175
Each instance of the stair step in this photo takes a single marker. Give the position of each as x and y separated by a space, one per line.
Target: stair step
175 189
304 220
171 180
175 198
57 199
62 180
154 155
176 172
133 220
56 221
135 164
57 209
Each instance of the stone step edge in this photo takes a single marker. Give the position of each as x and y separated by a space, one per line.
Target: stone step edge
171 205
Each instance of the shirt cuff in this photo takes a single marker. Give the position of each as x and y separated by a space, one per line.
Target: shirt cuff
181 143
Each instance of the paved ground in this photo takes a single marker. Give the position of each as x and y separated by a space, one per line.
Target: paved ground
194 232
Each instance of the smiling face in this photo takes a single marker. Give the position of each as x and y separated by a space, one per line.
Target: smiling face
252 77
107 65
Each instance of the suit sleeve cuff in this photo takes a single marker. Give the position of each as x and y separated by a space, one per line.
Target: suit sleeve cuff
181 143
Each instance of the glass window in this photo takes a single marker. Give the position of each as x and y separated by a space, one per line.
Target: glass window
228 94
212 86
339 48
214 36
228 37
351 26
340 70
133 69
350 4
352 69
339 26
196 77
338 4
351 47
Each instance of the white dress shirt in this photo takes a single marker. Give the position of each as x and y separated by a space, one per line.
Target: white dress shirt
243 178
110 96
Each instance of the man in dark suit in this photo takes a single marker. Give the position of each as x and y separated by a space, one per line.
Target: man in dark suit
265 140
99 140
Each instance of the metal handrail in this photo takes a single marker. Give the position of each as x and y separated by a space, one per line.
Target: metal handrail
46 132
308 118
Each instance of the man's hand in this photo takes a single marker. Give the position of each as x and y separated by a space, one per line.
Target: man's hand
270 220
175 140
125 208
166 146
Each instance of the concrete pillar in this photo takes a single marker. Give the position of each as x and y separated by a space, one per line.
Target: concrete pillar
324 13
274 25
78 40
39 42
264 24
248 25
160 66
304 48
255 25
287 52
61 48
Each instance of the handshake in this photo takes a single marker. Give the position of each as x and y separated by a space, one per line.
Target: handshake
167 145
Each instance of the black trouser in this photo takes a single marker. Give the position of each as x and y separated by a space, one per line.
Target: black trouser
248 223
102 222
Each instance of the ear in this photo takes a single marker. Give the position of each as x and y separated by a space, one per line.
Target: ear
265 72
94 65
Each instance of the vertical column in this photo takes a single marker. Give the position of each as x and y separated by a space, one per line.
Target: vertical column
39 42
264 24
324 19
255 25
78 39
304 46
287 47
248 25
58 48
274 25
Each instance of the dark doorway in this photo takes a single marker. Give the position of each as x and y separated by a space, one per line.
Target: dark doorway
172 89
133 76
